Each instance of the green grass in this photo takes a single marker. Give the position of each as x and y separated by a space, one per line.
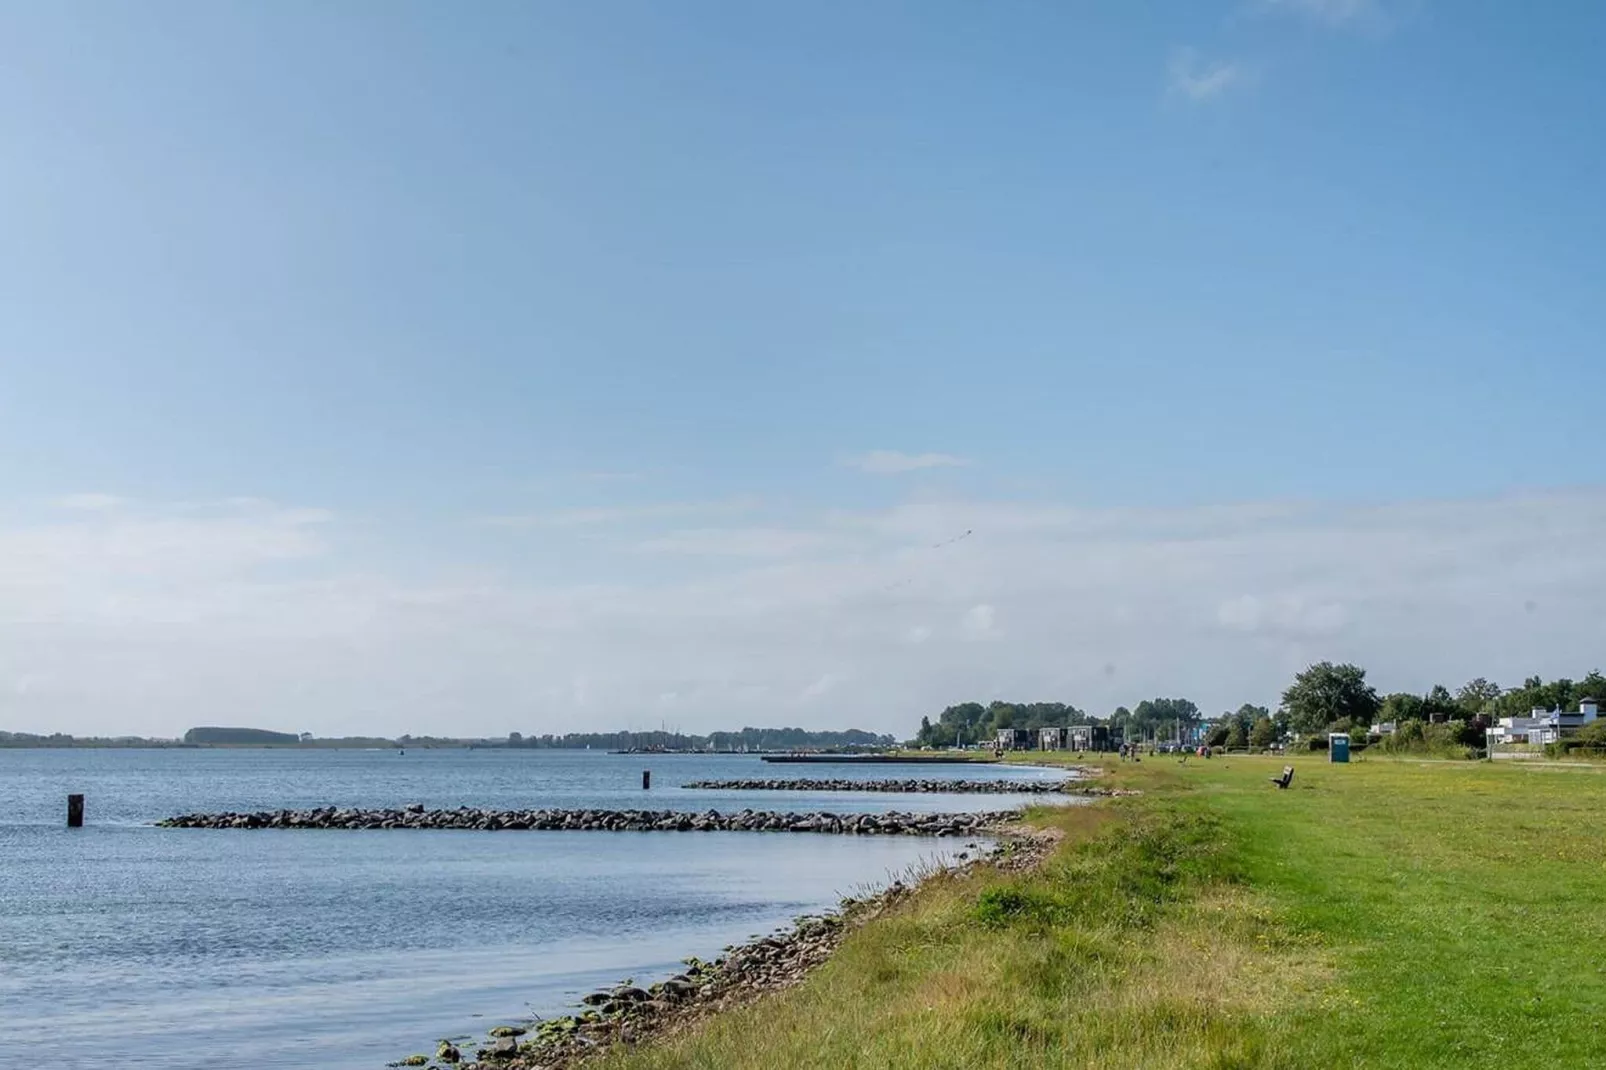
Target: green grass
1381 914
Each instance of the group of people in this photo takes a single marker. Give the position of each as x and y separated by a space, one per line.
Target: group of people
1131 752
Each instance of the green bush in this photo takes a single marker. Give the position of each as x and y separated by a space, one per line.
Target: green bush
1448 740
1012 903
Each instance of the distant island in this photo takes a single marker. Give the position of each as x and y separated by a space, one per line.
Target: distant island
747 740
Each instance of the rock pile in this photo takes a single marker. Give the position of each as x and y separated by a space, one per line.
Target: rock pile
911 787
919 787
416 817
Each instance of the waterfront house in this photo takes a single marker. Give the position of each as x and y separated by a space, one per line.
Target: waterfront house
1052 738
1543 726
1013 739
1088 737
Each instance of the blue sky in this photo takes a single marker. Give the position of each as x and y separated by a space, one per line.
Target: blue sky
652 347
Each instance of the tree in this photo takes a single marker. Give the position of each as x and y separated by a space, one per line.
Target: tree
1121 722
1325 693
1162 714
1401 706
515 738
1476 694
1263 734
1438 702
957 724
1247 715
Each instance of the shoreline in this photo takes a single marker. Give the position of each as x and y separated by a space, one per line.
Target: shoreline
627 1014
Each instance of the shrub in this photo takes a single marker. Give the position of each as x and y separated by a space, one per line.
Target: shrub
1013 903
1415 737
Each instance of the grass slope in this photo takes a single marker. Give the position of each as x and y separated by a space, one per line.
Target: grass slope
1381 914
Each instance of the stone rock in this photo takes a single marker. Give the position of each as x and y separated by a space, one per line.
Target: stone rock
678 989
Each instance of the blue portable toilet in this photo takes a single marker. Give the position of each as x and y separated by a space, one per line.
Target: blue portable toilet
1338 747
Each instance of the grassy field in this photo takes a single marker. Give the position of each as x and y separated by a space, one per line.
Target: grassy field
1380 914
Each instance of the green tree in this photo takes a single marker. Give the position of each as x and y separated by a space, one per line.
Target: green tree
1121 720
1161 715
1594 733
1476 694
1263 733
1325 693
1438 702
1401 706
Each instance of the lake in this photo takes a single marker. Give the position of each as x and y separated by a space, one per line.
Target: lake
123 944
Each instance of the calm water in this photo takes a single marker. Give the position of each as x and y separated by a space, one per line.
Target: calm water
123 944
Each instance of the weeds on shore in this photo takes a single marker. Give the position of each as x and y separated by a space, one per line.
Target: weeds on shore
1135 944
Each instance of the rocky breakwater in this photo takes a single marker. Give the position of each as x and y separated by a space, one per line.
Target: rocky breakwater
469 819
628 1013
917 787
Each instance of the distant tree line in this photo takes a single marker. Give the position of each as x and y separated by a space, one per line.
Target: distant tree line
970 723
746 739
62 739
238 736
1323 698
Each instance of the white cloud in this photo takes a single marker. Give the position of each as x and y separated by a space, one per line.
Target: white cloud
151 619
1202 80
894 463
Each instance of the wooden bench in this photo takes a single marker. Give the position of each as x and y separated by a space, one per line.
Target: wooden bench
1286 779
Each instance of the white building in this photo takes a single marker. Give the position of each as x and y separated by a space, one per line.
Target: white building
1543 726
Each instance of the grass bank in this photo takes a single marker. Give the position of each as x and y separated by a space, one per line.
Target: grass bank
1381 914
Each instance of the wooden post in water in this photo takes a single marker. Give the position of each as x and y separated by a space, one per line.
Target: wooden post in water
646 780
75 811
